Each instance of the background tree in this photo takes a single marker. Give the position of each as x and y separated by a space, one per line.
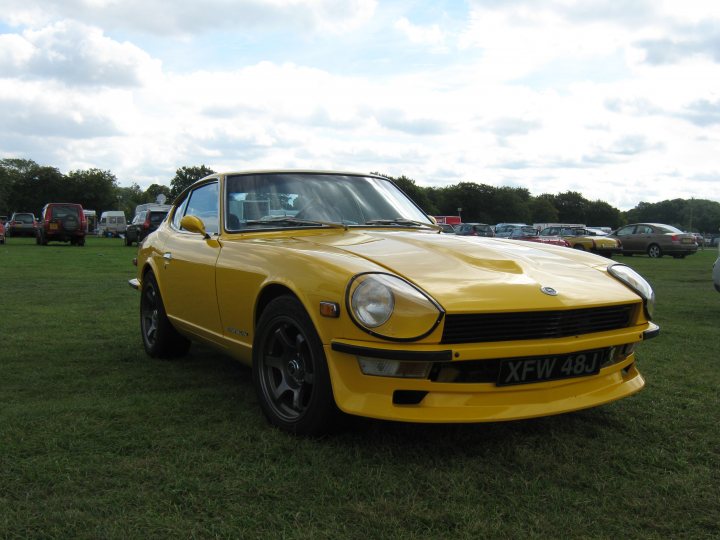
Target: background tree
571 207
601 214
94 189
510 205
542 210
128 198
476 201
154 191
186 176
698 215
415 192
31 185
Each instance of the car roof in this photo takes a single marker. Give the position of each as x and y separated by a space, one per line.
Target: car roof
291 171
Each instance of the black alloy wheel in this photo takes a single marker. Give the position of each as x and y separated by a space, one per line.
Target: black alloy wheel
160 338
290 370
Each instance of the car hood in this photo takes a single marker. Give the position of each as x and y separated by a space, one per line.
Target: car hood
471 274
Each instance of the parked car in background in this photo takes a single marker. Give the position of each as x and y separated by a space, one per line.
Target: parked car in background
2 232
531 234
504 230
340 293
474 229
447 228
21 224
62 222
112 223
585 240
143 224
655 240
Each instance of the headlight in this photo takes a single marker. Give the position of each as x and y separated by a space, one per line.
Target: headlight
637 283
387 306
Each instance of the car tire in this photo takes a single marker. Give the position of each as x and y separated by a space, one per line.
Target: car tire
128 242
290 370
579 246
160 338
654 251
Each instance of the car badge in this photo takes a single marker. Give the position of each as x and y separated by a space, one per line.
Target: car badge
549 291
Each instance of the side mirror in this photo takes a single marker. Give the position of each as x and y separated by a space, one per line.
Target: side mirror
194 224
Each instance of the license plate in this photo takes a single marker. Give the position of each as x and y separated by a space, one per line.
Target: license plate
687 241
550 368
53 226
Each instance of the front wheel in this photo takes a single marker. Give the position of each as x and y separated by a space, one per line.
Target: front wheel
159 337
654 251
290 370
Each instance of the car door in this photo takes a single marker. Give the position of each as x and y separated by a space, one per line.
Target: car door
630 241
187 268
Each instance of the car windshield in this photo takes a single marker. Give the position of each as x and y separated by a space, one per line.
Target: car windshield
524 231
278 200
59 212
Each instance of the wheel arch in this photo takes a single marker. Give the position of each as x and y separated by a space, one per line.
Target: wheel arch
267 295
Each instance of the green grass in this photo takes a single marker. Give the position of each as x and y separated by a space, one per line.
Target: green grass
99 441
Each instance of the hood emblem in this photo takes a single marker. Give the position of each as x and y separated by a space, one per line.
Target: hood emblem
549 291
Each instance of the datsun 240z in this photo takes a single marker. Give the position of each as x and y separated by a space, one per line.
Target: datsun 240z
342 296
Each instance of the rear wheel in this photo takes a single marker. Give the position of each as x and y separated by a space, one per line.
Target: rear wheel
579 246
654 251
128 242
160 339
290 370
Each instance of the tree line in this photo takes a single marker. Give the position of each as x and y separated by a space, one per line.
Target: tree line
26 186
490 204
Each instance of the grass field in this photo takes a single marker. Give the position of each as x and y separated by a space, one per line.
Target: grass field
99 441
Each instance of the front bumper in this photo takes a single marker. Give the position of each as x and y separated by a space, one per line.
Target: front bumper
432 401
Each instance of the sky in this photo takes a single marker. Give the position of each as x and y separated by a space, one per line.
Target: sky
619 101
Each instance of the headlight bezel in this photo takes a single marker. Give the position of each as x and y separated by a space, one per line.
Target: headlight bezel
638 284
403 287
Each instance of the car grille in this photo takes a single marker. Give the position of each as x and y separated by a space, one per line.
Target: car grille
474 328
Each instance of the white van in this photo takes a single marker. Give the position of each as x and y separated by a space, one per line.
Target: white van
112 223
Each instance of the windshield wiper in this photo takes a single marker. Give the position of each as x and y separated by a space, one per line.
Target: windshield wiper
289 220
403 222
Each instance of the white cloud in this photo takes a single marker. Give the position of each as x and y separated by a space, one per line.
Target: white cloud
430 35
76 54
553 97
168 17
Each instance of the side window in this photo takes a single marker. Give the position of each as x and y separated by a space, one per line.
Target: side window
203 203
626 230
179 213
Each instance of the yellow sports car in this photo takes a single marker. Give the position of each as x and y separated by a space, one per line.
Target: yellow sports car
343 297
586 240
